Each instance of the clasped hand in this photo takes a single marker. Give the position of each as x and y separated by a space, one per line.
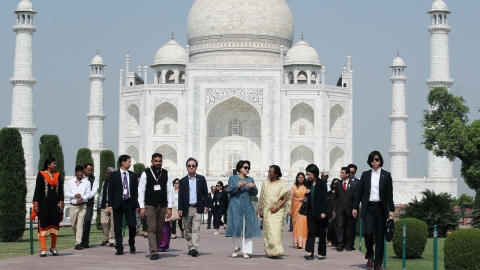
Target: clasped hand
242 183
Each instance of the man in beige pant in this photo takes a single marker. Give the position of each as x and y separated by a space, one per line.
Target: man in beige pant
76 190
106 219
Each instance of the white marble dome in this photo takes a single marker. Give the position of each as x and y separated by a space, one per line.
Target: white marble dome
398 62
439 5
97 60
25 5
171 53
302 53
228 28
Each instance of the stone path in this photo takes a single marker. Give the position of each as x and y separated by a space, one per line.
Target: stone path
214 253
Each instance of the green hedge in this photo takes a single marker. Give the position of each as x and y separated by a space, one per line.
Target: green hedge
417 233
462 250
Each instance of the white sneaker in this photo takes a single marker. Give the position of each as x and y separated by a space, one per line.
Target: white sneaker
216 232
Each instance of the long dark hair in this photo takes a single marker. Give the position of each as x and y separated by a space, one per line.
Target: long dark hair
47 162
296 179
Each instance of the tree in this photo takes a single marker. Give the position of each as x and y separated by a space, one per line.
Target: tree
448 133
107 159
465 202
476 203
13 186
138 168
50 147
84 156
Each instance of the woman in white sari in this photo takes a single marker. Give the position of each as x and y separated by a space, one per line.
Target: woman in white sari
272 205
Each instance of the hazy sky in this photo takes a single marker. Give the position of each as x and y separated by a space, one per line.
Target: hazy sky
70 32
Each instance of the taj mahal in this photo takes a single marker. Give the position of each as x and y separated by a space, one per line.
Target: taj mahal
242 88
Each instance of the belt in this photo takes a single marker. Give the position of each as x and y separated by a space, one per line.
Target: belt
374 202
77 204
193 205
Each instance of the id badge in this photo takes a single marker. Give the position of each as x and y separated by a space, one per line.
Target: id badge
125 191
156 187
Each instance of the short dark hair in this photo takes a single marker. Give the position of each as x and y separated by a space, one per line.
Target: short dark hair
220 183
157 155
345 169
352 166
176 181
190 159
312 168
123 158
372 156
79 168
87 164
47 162
240 164
332 185
212 187
276 170
296 178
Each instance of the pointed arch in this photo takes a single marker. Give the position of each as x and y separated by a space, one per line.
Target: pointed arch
166 119
302 77
132 151
170 158
133 120
337 121
300 157
302 120
337 161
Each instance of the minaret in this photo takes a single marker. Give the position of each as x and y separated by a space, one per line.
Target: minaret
399 150
23 81
439 74
96 115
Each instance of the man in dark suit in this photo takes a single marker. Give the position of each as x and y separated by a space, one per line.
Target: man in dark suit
192 202
106 219
352 168
210 212
345 194
375 192
123 199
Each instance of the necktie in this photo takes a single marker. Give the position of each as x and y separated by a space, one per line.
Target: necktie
126 196
344 187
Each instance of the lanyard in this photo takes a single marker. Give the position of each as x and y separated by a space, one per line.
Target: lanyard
160 175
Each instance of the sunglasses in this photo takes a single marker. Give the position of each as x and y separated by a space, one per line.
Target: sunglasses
352 172
191 166
176 183
246 168
376 159
218 185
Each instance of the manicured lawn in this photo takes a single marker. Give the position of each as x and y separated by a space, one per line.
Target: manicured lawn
65 241
426 262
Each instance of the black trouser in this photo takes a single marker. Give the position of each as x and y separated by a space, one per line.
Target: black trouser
217 216
209 219
225 214
174 226
317 226
87 223
374 222
128 209
345 230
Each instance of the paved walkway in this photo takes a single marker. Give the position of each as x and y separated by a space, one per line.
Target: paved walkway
214 253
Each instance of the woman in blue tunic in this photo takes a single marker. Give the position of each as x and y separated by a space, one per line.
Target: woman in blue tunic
243 222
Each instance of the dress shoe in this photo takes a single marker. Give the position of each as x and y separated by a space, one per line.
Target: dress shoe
308 257
104 243
54 252
189 252
378 267
43 255
85 246
132 249
194 253
320 257
78 247
369 263
353 248
348 248
208 228
154 257
119 252
339 248
111 245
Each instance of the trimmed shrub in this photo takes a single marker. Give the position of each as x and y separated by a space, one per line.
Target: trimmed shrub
107 159
434 209
84 156
13 186
138 168
50 147
417 233
462 249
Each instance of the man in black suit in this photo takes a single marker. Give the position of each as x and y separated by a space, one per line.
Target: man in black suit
375 192
192 202
123 199
345 194
352 168
106 219
210 212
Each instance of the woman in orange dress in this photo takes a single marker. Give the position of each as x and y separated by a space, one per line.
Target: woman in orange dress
300 229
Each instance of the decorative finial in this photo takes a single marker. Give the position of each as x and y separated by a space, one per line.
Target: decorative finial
97 52
398 54
173 35
302 34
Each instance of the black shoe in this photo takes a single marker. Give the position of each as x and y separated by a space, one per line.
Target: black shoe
54 253
208 228
43 255
154 257
78 247
320 257
353 248
119 251
348 248
290 231
111 245
339 248
132 249
145 236
194 253
189 252
85 246
308 257
104 243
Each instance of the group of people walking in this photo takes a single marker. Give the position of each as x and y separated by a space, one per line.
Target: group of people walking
314 209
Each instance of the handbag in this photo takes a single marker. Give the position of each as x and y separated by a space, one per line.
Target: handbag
389 228
304 208
174 216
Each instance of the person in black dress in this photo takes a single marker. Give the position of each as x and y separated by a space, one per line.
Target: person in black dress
332 219
218 205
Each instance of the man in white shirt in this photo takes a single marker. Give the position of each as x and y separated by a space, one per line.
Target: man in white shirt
77 191
87 223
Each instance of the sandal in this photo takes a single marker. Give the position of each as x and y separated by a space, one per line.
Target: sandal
174 236
235 253
245 256
329 244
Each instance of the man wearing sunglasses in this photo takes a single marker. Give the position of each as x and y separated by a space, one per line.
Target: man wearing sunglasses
192 202
352 169
375 191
